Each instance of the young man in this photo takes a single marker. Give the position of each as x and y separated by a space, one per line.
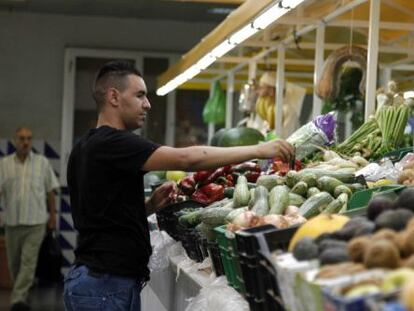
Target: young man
27 182
105 179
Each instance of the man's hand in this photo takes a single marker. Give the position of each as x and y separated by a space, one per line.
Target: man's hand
276 148
51 223
162 196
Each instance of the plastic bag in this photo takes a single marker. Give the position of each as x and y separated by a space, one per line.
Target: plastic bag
160 242
248 96
215 109
314 134
374 171
406 161
218 296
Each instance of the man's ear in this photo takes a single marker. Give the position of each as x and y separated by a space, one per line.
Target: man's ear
113 96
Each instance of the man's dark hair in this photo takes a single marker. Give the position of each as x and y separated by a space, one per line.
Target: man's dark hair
112 74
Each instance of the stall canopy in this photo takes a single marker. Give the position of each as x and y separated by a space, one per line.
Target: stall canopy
346 22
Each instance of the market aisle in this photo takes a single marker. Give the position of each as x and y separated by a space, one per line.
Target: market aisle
41 298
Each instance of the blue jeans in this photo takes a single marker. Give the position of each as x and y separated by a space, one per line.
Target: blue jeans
105 292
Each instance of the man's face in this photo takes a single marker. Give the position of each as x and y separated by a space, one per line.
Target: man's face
134 104
23 141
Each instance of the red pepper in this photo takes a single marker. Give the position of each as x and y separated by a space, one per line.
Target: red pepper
252 176
246 166
187 185
222 171
230 180
201 176
298 165
209 193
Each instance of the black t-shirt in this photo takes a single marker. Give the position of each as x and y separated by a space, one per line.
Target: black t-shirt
105 180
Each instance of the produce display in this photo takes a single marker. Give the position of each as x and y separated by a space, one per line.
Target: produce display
383 132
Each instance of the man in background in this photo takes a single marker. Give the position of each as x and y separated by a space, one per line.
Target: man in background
27 184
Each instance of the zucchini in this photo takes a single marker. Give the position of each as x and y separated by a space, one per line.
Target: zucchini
251 185
355 187
191 219
312 191
300 188
270 181
342 189
261 203
312 206
220 203
278 200
234 213
333 207
251 201
309 179
296 199
292 178
229 192
345 175
328 184
215 216
343 198
241 195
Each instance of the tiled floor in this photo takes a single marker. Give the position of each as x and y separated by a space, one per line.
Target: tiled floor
41 299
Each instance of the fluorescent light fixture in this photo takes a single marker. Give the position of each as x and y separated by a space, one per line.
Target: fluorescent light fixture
244 33
275 12
267 17
205 61
222 49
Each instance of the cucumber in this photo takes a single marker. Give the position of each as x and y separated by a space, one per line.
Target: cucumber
345 175
292 178
229 192
355 187
328 184
312 191
270 181
301 188
312 206
241 195
261 203
309 179
296 199
342 189
278 200
215 216
235 212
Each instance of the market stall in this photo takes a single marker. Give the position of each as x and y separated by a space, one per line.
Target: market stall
298 235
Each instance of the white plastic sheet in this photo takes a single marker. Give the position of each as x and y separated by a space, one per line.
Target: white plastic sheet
218 296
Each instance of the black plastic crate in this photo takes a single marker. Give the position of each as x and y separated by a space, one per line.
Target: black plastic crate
168 219
254 247
190 239
214 254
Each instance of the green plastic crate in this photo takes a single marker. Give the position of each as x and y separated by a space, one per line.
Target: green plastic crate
230 258
360 199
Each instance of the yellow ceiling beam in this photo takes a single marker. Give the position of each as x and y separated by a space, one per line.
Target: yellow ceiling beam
233 22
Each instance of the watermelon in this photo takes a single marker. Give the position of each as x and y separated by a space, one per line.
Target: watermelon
216 137
240 136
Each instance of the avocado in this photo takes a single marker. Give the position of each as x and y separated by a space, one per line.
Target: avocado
406 199
331 243
378 205
305 249
394 219
333 255
364 228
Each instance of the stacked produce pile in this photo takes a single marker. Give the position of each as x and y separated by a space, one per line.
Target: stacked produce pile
383 132
406 177
384 239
